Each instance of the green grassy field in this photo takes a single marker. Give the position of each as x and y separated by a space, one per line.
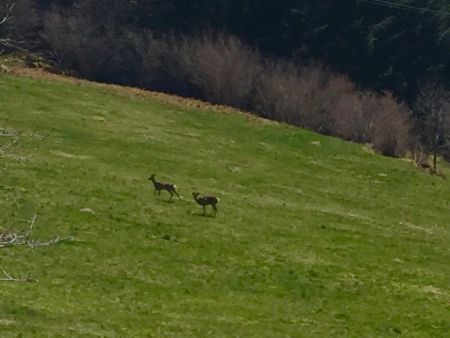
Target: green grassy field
315 237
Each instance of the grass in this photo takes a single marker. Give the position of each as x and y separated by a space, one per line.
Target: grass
315 237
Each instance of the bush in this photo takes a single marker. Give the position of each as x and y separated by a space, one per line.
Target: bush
330 104
76 42
95 49
276 92
352 120
328 101
153 54
391 126
220 66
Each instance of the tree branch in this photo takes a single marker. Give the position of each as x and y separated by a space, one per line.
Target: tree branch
8 239
10 43
33 220
7 10
8 278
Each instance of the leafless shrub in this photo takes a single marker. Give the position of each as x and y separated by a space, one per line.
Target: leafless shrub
95 48
6 9
391 125
158 66
327 102
433 109
25 26
294 95
219 65
77 42
365 117
19 25
309 97
350 120
6 22
316 99
276 92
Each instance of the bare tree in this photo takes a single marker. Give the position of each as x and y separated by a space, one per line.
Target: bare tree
6 11
7 18
433 110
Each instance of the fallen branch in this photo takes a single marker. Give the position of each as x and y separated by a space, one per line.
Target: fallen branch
9 278
6 133
33 220
56 240
8 239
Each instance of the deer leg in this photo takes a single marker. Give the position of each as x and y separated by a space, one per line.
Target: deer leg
215 209
177 194
171 194
204 211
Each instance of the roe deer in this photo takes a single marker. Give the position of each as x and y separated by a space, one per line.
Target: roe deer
206 200
170 188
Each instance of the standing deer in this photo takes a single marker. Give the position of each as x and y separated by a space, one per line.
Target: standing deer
206 200
170 188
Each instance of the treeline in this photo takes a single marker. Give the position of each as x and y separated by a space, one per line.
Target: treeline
393 47
186 48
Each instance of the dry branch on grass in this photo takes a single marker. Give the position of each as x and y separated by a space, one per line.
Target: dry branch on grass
5 133
9 278
8 239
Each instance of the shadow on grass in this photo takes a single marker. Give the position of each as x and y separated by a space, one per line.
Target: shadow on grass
205 215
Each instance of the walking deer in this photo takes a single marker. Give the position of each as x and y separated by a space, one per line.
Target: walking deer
206 200
169 187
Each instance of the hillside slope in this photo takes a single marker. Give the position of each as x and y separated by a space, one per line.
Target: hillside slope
314 236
